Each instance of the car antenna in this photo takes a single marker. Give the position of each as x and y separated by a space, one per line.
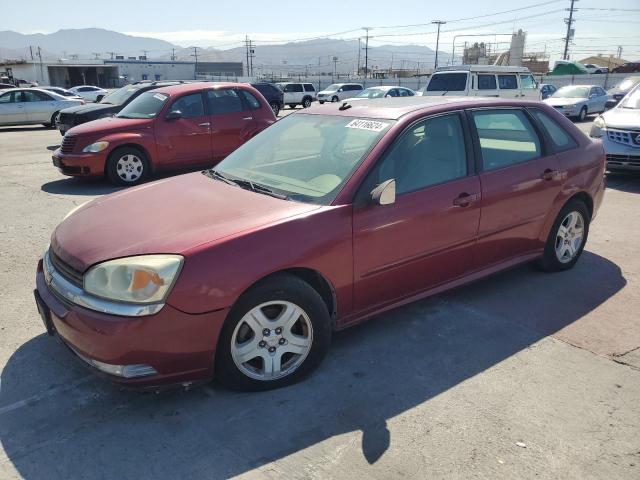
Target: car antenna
345 106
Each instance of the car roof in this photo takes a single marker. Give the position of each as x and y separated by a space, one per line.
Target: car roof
394 108
580 85
194 87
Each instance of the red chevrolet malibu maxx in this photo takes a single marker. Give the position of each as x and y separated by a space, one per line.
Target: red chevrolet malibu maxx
330 216
181 126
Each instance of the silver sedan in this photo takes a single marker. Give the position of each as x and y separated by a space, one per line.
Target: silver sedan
29 106
578 101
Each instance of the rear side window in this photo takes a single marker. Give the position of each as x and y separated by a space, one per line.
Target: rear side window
224 100
293 87
487 82
251 101
309 88
506 138
190 106
448 82
507 82
560 139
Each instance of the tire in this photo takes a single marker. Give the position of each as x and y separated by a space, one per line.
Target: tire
127 166
552 260
293 106
321 102
583 114
52 123
278 295
306 102
275 107
334 99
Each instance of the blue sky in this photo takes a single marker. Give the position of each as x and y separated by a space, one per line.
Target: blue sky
206 23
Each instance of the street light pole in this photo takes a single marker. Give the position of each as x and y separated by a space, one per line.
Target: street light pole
437 22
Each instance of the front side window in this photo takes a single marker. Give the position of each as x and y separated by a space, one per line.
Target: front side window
224 100
560 139
507 82
506 138
528 82
146 105
487 82
190 106
447 82
428 153
9 97
306 157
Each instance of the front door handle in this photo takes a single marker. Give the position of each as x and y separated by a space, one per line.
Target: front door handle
248 118
205 124
549 174
465 199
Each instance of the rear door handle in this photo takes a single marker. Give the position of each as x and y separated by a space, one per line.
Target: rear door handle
248 118
205 124
549 174
465 199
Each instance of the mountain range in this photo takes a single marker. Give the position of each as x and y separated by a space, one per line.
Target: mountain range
312 55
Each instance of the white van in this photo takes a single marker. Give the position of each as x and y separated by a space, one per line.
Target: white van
483 81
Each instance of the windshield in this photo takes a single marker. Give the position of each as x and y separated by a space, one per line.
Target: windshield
305 157
448 82
372 93
120 96
632 100
146 105
333 87
572 92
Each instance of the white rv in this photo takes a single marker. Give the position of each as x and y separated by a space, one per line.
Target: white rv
483 81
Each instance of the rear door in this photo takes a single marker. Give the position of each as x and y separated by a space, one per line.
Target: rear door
520 181
427 236
508 85
184 141
232 121
12 111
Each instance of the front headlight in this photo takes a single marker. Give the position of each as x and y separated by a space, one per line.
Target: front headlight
140 279
598 127
95 147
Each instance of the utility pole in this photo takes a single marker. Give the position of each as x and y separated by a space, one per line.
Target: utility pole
366 52
173 54
112 54
439 23
335 66
41 69
246 47
96 56
359 48
195 70
619 52
251 55
569 21
145 53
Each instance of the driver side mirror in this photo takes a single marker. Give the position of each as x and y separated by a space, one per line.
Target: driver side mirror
385 193
173 115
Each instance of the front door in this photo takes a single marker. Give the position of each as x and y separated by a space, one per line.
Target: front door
185 140
427 236
231 118
519 184
39 106
12 110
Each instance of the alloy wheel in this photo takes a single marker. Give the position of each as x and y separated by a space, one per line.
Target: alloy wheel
569 237
271 340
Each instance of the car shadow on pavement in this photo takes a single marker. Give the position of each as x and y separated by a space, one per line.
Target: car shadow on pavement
628 182
28 128
59 421
79 186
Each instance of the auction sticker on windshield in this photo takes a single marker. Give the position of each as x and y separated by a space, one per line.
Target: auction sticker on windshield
371 125
160 96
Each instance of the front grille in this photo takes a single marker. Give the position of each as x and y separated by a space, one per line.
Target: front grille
68 144
623 160
626 137
66 270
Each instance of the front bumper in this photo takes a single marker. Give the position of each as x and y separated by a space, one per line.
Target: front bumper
620 156
80 164
180 347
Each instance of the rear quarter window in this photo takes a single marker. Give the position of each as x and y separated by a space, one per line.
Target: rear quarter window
559 138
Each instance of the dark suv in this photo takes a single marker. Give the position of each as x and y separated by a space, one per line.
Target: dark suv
272 94
107 107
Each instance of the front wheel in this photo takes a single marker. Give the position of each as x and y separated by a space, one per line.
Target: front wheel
334 99
321 102
583 114
306 103
567 238
277 333
127 166
276 108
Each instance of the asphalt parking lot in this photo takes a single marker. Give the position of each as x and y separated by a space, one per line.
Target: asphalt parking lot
523 375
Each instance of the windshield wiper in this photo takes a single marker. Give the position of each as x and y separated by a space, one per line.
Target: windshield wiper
256 187
215 174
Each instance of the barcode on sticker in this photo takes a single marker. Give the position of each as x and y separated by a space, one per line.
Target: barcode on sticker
159 96
372 125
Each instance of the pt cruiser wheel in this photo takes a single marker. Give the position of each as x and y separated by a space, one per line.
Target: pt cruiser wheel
567 237
127 166
276 334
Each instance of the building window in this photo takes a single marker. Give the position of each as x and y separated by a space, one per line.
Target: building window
145 76
157 77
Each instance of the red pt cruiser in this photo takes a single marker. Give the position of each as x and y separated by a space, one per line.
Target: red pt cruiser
328 217
181 126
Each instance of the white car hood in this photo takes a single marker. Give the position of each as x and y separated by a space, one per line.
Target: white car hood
622 118
561 102
327 92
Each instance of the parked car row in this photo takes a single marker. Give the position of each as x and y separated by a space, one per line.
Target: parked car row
29 106
243 271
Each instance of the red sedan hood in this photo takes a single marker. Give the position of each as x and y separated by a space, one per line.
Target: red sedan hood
110 125
167 216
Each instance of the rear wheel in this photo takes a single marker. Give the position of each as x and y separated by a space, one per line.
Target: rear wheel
583 114
567 238
321 102
306 103
293 106
334 99
127 166
275 107
277 333
52 123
